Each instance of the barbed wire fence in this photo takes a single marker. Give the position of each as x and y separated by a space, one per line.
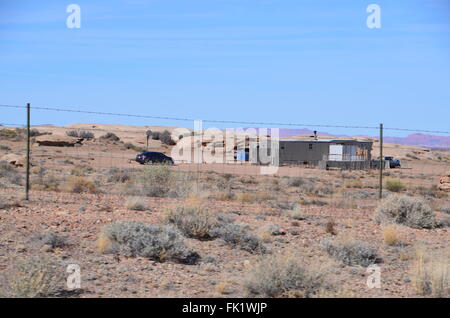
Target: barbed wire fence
419 174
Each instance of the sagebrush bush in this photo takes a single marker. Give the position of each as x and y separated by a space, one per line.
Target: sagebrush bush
110 136
118 175
236 236
159 243
37 276
160 181
401 209
195 221
280 276
351 252
166 138
394 185
80 134
52 239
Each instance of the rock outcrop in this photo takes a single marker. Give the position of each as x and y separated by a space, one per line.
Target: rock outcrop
58 141
444 182
14 159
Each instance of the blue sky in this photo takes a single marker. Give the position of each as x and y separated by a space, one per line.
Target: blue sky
305 61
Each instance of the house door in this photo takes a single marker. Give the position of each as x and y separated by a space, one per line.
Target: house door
336 152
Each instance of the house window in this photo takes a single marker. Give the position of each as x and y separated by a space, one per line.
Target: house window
310 146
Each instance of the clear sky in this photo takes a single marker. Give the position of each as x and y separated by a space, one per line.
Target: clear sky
306 61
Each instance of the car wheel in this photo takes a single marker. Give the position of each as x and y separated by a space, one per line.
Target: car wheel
148 162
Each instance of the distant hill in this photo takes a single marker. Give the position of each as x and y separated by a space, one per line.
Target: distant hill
423 140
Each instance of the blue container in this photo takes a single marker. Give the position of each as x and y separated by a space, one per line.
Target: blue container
242 156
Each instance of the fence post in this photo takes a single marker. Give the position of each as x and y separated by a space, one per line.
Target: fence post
380 194
27 182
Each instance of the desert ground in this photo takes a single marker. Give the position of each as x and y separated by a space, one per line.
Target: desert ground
233 232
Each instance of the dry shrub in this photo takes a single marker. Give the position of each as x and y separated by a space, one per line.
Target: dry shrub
224 196
50 238
267 231
431 273
401 209
391 235
80 185
160 181
236 236
293 181
330 227
118 175
136 204
282 276
36 276
193 221
159 243
104 244
394 185
10 174
351 252
353 184
81 170
254 197
297 213
223 288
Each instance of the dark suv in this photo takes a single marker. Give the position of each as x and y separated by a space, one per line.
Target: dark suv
151 157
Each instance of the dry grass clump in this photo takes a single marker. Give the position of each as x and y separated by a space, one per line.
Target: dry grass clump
297 213
236 236
267 231
81 170
136 204
192 221
394 185
282 276
223 196
80 185
431 273
401 209
254 197
390 235
351 252
353 184
36 276
159 243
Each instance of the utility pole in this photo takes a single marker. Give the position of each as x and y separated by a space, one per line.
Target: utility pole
380 194
27 184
